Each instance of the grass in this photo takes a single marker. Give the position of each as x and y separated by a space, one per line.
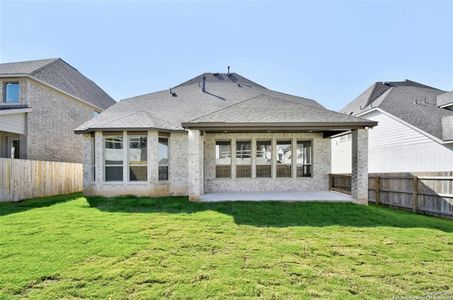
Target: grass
142 248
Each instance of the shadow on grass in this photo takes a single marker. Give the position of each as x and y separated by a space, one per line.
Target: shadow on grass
7 208
278 214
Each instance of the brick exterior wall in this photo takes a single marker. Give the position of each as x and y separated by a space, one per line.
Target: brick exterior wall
51 124
177 183
192 157
359 183
318 182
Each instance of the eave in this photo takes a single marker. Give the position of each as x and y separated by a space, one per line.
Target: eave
278 126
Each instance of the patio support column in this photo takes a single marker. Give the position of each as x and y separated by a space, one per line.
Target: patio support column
99 158
294 158
195 161
253 158
125 159
233 158
359 182
274 161
88 163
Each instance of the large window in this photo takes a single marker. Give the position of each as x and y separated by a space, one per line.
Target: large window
12 92
137 158
223 159
304 158
243 159
113 157
283 156
263 159
163 158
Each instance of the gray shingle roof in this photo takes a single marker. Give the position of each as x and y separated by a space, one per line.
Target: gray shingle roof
410 101
270 109
163 110
59 74
446 98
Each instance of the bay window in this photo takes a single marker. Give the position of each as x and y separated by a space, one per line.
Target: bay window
137 158
163 158
243 159
113 158
304 158
283 156
263 159
223 159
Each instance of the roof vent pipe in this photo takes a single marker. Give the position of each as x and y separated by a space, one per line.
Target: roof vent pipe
204 84
228 70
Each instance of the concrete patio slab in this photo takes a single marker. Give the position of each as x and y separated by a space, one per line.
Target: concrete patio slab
321 196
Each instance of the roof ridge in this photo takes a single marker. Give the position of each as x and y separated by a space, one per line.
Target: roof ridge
53 60
114 119
225 107
281 99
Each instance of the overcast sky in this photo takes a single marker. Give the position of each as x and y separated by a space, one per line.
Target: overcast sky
329 51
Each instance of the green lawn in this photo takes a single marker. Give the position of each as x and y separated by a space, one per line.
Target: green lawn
142 248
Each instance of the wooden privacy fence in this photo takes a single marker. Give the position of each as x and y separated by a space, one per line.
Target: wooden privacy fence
23 179
427 192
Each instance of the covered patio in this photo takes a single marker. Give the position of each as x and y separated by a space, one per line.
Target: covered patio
320 196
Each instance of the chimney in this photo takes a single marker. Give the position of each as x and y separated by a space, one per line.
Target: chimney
204 84
228 70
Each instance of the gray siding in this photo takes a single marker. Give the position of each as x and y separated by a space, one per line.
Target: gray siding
394 147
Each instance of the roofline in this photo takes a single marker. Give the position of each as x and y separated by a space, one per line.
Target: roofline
23 75
436 139
446 105
15 110
88 130
280 125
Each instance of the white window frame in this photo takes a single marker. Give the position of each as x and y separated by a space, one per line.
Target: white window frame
168 158
311 156
5 89
281 164
231 158
238 158
260 164
128 165
116 165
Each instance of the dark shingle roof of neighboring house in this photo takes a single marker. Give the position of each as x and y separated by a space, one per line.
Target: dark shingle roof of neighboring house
410 101
164 110
59 74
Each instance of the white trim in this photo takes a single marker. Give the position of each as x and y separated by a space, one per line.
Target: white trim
447 105
52 87
405 123
14 111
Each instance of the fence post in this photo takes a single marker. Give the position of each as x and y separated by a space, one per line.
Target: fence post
377 190
414 193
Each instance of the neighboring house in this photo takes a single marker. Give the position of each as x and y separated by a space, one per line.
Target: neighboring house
415 131
213 133
42 102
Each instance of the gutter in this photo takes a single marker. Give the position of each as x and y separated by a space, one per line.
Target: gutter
14 110
109 129
281 125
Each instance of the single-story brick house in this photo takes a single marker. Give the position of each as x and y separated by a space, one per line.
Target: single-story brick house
218 132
